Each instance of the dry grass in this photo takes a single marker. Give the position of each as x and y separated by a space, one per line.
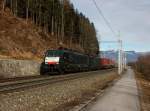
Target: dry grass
144 89
143 65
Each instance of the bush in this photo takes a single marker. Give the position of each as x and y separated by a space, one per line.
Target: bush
143 65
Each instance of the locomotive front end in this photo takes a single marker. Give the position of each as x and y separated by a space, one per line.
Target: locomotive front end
51 62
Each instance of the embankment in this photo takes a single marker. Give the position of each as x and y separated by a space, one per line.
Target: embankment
10 68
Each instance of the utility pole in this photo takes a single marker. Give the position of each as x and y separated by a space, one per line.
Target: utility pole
120 54
120 57
125 61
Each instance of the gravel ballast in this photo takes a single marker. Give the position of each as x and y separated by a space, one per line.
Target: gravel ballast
55 97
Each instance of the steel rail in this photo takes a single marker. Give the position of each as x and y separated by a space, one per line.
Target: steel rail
24 84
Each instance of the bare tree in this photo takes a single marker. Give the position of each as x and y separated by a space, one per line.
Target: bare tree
62 22
27 10
14 7
4 3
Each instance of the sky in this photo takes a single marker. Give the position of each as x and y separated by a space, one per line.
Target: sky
129 17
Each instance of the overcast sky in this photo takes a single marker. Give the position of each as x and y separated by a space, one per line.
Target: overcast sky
130 17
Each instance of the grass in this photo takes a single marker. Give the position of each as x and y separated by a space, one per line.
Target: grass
144 89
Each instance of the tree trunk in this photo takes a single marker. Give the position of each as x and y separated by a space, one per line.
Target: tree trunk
62 24
11 5
39 15
16 8
52 31
3 7
27 11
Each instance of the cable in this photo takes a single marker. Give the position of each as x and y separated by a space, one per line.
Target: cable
106 21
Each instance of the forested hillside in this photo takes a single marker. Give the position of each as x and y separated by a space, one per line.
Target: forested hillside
54 21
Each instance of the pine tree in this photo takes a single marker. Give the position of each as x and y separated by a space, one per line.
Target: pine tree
59 19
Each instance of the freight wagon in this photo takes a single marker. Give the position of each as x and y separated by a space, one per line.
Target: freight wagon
107 63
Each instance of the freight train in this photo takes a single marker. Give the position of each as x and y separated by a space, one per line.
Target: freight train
107 63
63 61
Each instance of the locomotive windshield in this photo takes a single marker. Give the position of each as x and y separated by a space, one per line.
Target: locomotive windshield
53 53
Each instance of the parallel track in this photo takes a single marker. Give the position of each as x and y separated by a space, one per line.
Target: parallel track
11 86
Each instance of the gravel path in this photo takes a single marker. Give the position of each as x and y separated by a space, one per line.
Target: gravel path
55 96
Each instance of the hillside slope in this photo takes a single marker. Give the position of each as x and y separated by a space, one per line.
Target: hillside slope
20 39
23 40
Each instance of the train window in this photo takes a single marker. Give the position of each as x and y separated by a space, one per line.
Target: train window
77 60
71 57
66 55
51 54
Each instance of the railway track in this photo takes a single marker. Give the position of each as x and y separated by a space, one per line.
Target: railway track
12 86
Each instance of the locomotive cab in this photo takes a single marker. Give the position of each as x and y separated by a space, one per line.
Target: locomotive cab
64 61
52 61
52 58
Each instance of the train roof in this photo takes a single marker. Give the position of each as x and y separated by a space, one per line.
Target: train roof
68 51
